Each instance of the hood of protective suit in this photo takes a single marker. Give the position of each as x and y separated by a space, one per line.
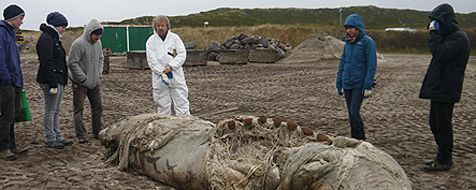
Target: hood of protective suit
90 28
355 20
446 17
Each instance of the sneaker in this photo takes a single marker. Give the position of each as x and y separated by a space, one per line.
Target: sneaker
66 142
436 166
7 155
19 151
430 162
54 144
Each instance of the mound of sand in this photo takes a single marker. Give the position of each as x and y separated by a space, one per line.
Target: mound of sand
317 48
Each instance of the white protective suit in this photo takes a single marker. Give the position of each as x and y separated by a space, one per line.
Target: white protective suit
158 58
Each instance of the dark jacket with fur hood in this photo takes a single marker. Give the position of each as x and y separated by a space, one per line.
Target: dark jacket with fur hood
52 70
449 47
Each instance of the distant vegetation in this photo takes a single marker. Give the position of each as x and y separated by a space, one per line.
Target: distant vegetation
387 42
405 42
293 25
289 34
374 17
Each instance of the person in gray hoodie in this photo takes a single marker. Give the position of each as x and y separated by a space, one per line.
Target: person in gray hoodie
85 65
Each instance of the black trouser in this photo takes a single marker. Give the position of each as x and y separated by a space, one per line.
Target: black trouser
94 97
440 123
9 108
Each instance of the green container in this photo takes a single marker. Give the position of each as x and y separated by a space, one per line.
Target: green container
122 39
115 38
138 37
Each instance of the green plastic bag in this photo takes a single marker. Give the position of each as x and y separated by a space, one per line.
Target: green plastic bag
25 114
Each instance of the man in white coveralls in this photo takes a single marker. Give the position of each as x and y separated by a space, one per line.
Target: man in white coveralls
165 55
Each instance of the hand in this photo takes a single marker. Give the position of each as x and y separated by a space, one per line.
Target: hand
367 93
340 92
167 69
53 91
434 25
165 78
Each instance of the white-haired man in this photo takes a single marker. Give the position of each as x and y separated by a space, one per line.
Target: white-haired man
165 55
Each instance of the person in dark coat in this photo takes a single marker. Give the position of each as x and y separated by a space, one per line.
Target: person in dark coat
11 81
52 76
443 82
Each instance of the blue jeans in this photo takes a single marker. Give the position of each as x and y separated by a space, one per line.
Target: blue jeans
52 110
353 99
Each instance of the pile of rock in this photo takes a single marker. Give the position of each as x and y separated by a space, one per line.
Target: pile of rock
246 42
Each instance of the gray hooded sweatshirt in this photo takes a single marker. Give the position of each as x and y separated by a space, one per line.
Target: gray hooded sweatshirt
85 61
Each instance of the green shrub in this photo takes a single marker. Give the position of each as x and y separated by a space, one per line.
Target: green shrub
410 42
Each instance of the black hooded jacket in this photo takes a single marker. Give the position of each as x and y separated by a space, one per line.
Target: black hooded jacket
449 48
52 57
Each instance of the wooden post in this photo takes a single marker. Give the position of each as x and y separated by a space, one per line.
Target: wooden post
106 66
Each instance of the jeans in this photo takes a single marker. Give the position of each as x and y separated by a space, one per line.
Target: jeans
94 97
353 99
52 110
10 97
440 123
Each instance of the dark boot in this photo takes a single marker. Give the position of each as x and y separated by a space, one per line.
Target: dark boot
66 142
7 155
359 134
82 140
19 151
54 144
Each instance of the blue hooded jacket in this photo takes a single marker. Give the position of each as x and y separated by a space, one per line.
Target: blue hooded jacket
10 72
358 62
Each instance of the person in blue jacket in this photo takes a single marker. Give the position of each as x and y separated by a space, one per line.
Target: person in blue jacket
356 73
11 81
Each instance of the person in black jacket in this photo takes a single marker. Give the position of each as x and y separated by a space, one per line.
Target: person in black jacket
52 76
443 82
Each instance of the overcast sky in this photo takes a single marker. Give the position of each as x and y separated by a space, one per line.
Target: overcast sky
79 12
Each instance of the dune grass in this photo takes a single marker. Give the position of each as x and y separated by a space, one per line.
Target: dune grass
293 35
387 42
289 34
